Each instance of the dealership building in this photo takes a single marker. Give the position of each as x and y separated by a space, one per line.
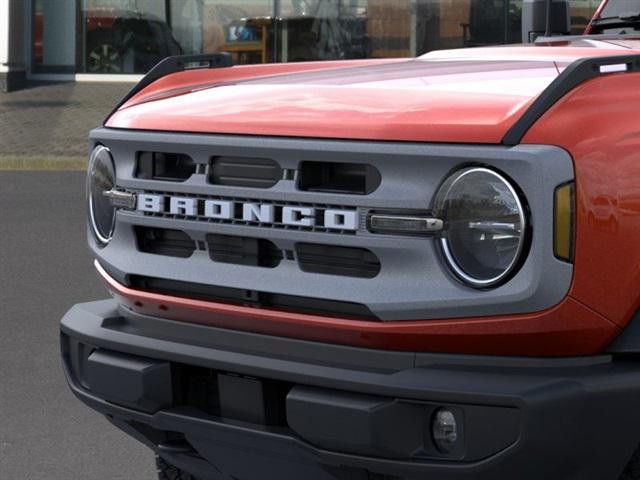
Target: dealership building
118 40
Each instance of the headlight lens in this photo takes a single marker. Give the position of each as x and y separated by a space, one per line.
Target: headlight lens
100 179
484 226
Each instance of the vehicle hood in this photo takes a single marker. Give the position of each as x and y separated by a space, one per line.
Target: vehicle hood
462 96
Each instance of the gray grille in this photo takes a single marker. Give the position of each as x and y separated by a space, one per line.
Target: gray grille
413 282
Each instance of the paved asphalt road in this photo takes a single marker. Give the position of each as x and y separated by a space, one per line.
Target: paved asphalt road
45 267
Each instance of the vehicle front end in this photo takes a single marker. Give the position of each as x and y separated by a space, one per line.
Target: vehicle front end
372 269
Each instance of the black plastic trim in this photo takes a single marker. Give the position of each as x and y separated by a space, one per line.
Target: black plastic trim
164 241
244 172
237 250
601 24
569 414
174 64
337 260
566 39
628 342
576 73
338 177
164 166
239 296
106 325
129 380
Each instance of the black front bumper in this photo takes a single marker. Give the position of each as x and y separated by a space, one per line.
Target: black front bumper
228 404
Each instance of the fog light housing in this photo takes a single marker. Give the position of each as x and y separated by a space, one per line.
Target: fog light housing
445 430
101 178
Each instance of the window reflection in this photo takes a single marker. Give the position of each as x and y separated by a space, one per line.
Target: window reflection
582 12
54 42
126 36
130 36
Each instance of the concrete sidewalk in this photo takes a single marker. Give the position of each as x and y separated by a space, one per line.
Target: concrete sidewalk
45 126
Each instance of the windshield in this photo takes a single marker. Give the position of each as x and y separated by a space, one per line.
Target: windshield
615 8
618 17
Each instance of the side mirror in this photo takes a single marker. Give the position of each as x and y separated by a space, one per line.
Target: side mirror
534 18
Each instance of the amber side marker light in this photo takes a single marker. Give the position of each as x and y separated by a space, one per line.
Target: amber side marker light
564 222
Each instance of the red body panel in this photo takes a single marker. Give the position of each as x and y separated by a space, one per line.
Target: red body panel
568 329
191 80
405 101
458 96
598 124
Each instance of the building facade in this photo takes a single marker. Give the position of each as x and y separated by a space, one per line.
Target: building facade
122 39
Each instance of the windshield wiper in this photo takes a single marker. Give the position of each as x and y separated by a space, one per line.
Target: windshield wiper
629 19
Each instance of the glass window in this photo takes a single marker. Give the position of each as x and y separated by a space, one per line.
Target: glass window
321 30
582 12
474 23
130 36
615 8
54 36
125 36
241 27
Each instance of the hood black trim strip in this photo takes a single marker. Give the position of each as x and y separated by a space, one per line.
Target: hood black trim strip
177 63
576 73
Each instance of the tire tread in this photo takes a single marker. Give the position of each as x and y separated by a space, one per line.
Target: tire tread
167 471
632 470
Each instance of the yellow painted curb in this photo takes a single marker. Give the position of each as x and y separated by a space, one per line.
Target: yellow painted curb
42 163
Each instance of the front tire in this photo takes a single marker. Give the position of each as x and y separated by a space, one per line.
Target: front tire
167 471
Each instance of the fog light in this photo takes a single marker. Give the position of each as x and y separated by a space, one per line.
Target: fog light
444 429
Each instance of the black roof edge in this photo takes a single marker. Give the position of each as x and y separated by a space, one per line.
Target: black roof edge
174 64
608 37
576 73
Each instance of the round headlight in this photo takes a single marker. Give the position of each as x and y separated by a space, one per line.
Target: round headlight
484 226
100 179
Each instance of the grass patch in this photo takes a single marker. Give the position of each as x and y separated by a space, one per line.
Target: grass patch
37 162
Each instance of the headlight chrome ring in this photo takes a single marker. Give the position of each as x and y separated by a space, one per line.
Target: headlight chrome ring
101 178
485 226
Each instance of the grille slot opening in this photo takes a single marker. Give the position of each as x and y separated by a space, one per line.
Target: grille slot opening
243 251
252 298
244 172
333 260
172 167
327 177
160 241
